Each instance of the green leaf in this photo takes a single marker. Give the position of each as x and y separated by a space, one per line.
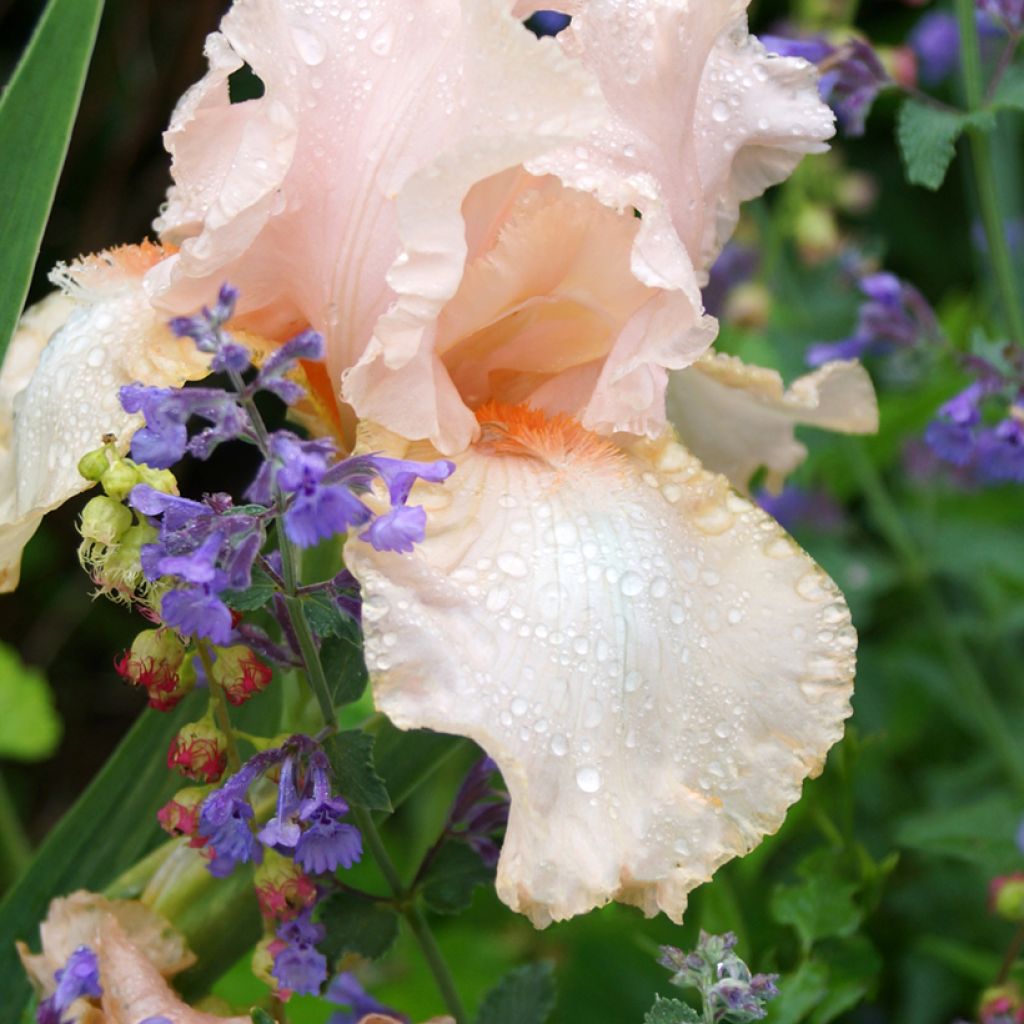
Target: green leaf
342 659
524 996
819 907
1010 94
29 727
111 825
853 967
356 778
356 924
671 1011
324 616
254 596
927 138
452 876
799 993
37 110
406 760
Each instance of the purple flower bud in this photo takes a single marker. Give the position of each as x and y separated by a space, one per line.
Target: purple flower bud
79 978
936 42
199 611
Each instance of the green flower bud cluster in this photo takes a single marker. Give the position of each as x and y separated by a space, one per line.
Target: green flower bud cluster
112 534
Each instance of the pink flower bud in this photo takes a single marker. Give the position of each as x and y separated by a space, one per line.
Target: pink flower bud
241 674
180 815
199 751
156 662
282 888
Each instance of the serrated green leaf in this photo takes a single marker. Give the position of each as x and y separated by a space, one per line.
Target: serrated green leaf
29 726
524 996
819 907
344 667
671 1011
324 616
254 596
1010 94
927 139
110 826
355 777
37 110
449 882
356 924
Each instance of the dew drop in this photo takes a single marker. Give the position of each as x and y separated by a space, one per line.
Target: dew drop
512 565
631 584
559 745
720 112
310 46
588 779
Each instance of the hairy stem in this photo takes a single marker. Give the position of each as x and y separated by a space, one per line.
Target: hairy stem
220 706
984 172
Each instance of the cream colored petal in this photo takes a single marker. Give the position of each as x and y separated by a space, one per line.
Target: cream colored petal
653 664
737 418
61 395
77 920
702 117
133 988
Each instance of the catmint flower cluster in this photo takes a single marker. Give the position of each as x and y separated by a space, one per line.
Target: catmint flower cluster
981 429
479 812
79 978
893 317
731 994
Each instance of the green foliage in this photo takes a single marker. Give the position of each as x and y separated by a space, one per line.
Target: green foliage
927 137
261 1016
37 110
671 1011
1010 93
525 995
261 591
325 617
356 924
29 726
819 907
448 883
344 667
356 778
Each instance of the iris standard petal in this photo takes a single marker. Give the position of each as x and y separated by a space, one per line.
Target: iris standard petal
652 663
737 418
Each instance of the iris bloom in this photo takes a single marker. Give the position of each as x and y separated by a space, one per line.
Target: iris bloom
503 240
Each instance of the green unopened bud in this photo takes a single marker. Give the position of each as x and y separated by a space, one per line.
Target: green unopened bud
94 464
159 479
120 478
817 234
1008 897
104 520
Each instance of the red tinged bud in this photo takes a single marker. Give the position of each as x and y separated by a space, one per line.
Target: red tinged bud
240 673
199 751
283 890
156 662
180 815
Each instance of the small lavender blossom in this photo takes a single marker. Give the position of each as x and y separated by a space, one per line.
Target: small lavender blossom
894 316
1000 451
951 435
730 992
282 832
480 810
308 345
851 75
935 41
300 967
345 990
205 329
326 842
795 508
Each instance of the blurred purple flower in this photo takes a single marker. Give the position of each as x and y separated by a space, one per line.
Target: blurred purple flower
736 264
1009 12
851 75
346 991
479 811
795 508
1000 452
896 315
548 23
78 978
935 41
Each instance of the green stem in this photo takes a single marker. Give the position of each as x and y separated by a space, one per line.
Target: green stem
984 171
314 669
413 915
973 690
220 707
15 849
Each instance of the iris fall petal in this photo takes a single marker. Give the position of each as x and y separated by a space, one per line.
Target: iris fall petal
737 418
653 664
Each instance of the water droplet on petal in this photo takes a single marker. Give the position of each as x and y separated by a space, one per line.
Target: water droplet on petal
588 779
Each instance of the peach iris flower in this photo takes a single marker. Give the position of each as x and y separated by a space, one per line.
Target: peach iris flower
503 241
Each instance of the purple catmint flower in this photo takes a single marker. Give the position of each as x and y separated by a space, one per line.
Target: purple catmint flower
401 529
205 329
736 263
401 474
851 75
326 843
282 832
79 978
307 345
795 508
345 990
951 435
479 811
894 315
299 966
199 611
1000 451
935 41
229 834
1009 12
